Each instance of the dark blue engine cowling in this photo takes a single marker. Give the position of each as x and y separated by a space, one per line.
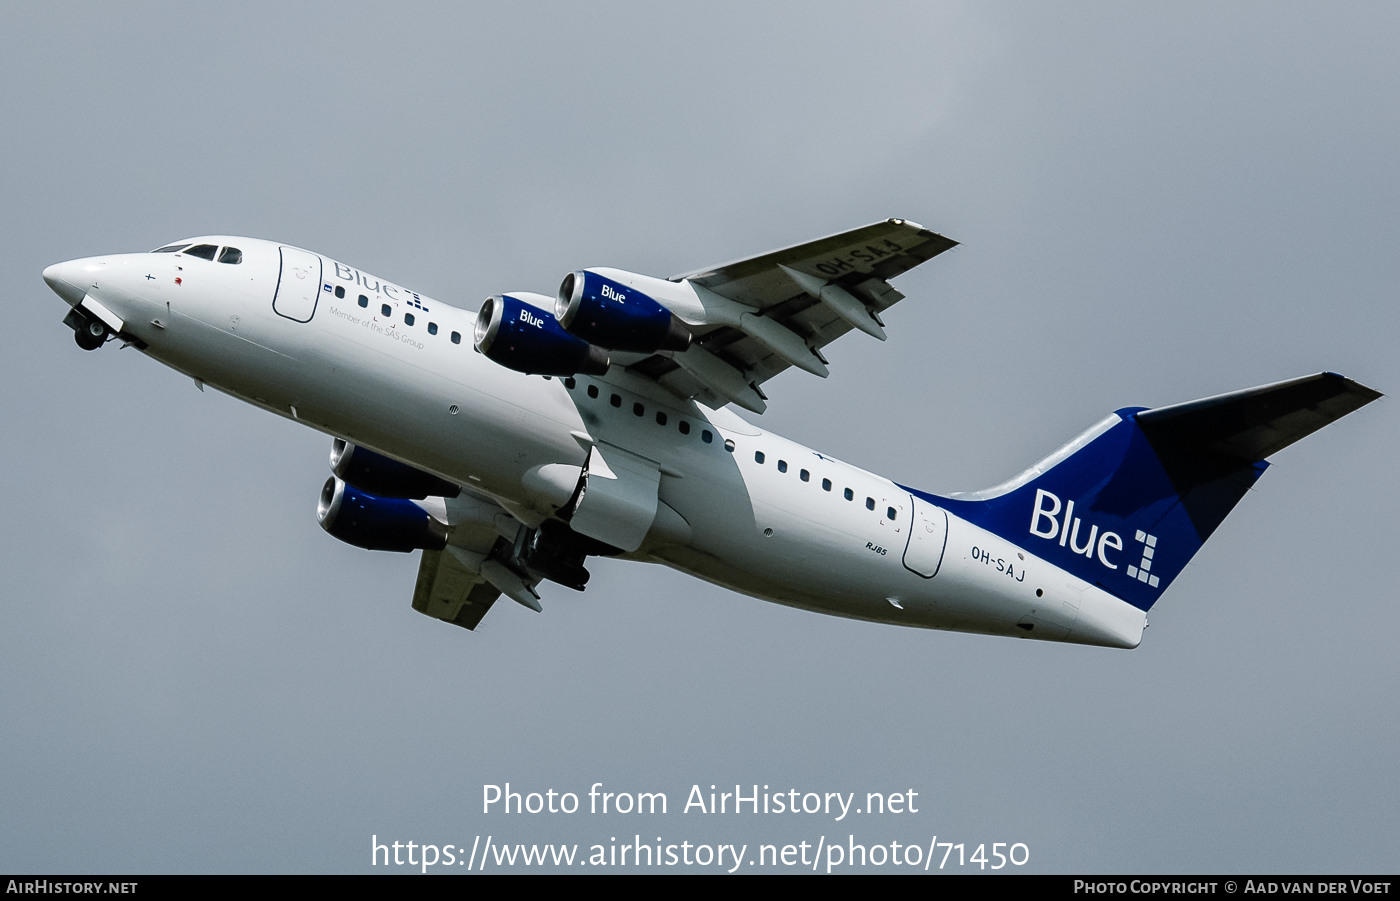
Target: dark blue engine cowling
527 339
386 477
612 315
377 523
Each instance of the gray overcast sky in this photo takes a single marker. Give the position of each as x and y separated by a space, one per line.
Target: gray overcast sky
1156 203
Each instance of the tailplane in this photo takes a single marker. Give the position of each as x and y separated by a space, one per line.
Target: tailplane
1127 504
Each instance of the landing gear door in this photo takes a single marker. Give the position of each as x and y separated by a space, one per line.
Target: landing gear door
299 285
928 537
617 504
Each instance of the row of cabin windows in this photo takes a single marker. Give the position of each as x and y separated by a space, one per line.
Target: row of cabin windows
388 312
639 409
804 475
231 255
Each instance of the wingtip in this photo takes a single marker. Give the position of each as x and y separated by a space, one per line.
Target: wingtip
910 223
1355 387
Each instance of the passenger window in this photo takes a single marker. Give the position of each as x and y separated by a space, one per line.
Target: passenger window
870 503
432 328
805 475
233 256
850 495
729 445
758 456
170 248
615 400
782 466
707 436
660 418
364 301
592 390
684 427
826 484
569 382
638 410
456 337
203 251
407 318
339 292
890 513
384 308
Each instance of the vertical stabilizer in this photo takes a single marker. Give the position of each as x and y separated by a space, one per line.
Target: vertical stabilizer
1127 504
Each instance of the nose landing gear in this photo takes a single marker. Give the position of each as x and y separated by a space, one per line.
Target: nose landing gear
90 333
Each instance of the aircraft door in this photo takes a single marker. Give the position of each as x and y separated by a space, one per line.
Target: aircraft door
298 285
928 536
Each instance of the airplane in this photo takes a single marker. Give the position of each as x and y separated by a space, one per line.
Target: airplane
511 444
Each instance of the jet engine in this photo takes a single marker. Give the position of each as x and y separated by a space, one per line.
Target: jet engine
369 471
377 523
611 314
526 338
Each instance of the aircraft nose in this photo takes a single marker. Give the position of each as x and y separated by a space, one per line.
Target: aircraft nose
61 278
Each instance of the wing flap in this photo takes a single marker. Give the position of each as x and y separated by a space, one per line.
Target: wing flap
448 591
807 294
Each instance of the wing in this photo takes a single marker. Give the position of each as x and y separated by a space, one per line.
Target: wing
449 591
802 298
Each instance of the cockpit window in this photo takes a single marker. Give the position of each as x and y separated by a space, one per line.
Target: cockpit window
203 251
231 255
170 248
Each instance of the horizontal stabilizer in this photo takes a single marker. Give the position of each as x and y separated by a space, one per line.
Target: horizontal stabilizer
1256 423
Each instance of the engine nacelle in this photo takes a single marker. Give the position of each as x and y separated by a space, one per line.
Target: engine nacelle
386 477
611 314
377 523
528 339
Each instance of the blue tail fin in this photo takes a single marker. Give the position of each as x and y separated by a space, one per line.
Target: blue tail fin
1127 504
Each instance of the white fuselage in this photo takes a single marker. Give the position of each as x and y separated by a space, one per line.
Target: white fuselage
376 381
